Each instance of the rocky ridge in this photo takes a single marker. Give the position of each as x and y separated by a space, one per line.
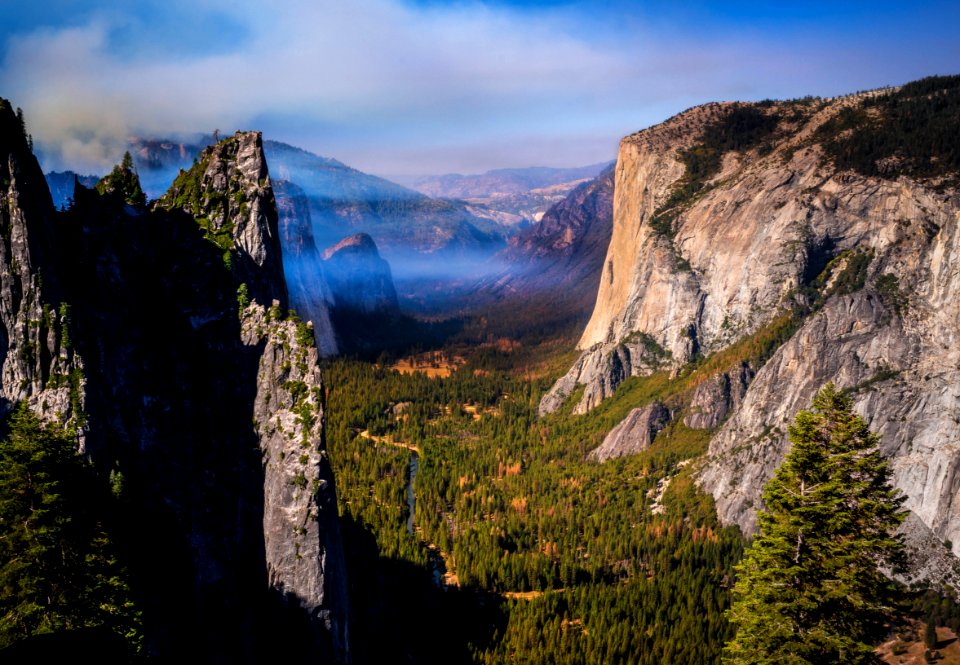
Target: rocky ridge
39 364
230 194
862 267
232 529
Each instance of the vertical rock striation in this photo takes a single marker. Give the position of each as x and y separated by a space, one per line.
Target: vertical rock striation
862 264
309 292
39 364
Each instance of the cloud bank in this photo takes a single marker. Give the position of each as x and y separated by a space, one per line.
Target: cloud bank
399 88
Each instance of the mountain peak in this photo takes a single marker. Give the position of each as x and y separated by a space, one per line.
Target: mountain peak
229 192
359 243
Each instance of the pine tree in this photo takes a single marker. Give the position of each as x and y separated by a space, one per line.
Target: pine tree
57 569
810 588
123 181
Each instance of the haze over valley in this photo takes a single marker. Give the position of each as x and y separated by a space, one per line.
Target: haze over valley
500 331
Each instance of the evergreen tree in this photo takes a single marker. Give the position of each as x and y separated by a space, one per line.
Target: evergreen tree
810 588
57 569
123 181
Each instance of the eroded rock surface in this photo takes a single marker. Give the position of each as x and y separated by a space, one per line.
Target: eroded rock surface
872 261
634 434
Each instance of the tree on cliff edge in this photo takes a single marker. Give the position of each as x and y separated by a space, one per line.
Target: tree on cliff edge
123 181
810 588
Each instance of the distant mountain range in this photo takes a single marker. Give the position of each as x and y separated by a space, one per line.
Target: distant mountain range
503 182
407 226
511 197
455 231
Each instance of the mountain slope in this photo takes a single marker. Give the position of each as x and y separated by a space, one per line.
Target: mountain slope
552 269
746 233
407 226
512 197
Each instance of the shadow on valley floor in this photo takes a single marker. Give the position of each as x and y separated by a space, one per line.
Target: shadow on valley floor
367 336
399 614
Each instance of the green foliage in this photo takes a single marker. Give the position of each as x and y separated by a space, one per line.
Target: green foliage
888 286
911 131
930 635
274 313
304 335
508 503
650 346
243 297
744 127
57 567
65 323
809 588
122 181
853 276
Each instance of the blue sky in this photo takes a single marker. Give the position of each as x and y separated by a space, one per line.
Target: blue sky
407 87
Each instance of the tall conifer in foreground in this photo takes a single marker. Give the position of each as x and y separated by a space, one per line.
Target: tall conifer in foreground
810 589
58 570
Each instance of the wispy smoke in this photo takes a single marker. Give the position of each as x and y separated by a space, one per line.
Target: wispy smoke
394 86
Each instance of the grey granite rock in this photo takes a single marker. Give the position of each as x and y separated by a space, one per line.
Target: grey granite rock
634 434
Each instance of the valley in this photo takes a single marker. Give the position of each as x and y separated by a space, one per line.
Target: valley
528 416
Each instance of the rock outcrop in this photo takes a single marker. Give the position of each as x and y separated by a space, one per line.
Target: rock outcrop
229 193
603 369
301 531
213 419
39 364
715 398
310 294
634 434
861 261
359 279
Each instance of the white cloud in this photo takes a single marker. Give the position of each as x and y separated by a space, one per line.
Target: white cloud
419 85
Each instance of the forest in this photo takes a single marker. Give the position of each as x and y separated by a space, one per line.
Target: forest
520 551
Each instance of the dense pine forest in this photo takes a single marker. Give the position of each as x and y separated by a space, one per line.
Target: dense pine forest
519 549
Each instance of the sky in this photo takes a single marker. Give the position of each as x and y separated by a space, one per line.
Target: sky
411 87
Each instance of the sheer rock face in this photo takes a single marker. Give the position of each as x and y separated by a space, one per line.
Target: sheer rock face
716 397
231 526
38 364
310 294
634 434
304 553
764 227
359 278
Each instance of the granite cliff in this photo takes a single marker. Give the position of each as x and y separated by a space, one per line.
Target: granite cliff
161 337
359 278
823 233
310 293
